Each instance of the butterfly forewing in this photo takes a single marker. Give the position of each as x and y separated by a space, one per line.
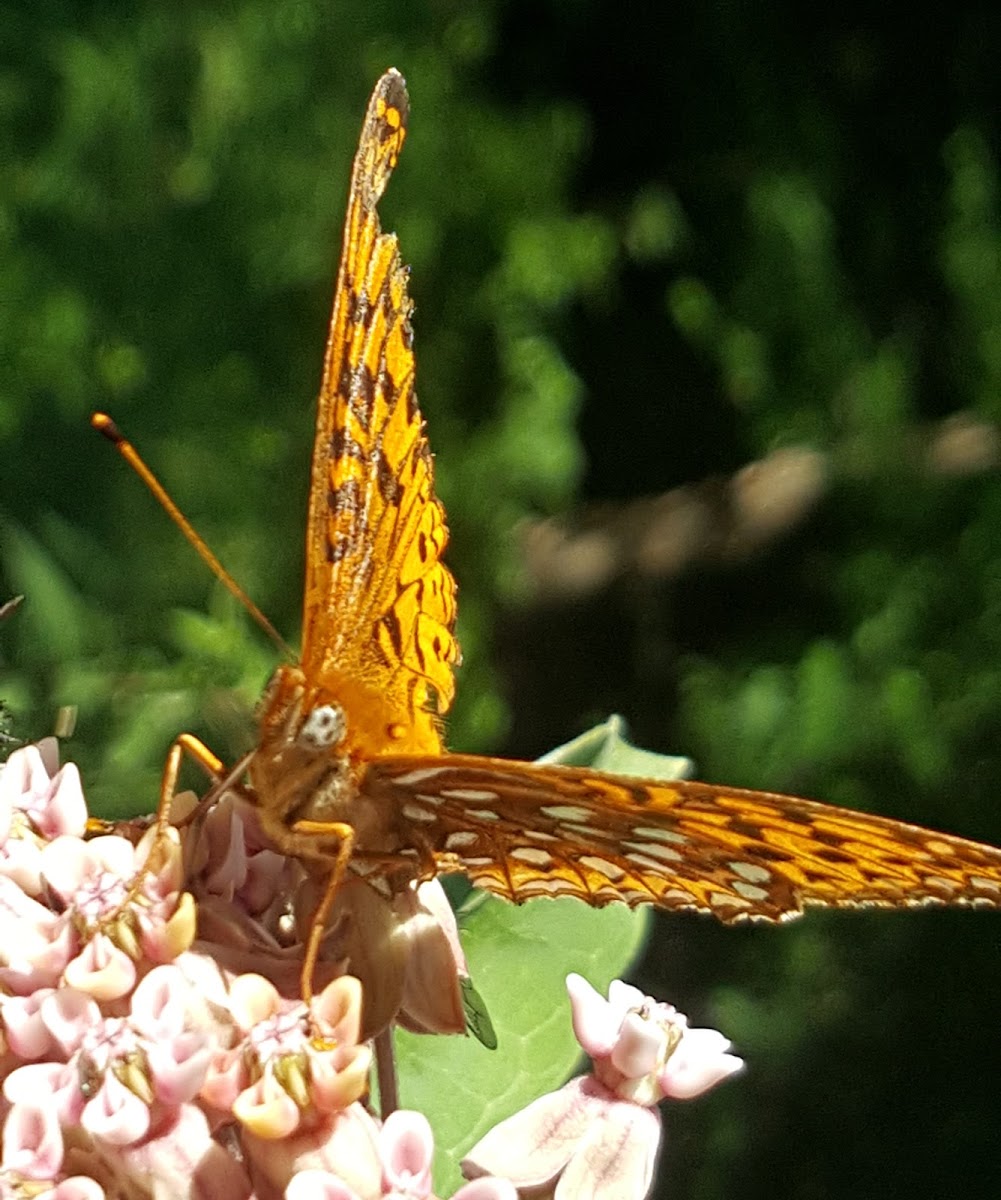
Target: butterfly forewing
522 831
379 606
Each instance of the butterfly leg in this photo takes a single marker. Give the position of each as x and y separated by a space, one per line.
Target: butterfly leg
184 743
342 838
199 753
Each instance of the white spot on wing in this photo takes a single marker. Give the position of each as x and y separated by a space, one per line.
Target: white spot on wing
663 853
566 812
948 885
749 891
611 871
461 840
414 812
470 795
653 833
645 862
752 872
532 856
421 775
549 887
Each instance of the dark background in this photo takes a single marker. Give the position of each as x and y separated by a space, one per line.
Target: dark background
651 246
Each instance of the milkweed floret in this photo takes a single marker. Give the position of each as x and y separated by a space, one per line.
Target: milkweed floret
32 1158
405 1149
601 1131
278 1071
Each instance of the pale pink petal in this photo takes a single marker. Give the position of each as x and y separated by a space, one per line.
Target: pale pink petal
227 1077
69 1015
318 1185
77 1187
115 1114
161 1003
253 999
36 944
698 1063
32 1141
27 1034
595 1021
178 1067
616 1157
52 1084
339 1079
639 1044
623 997
186 1162
167 930
487 1188
267 1110
406 1148
101 969
345 1145
63 810
338 1009
29 771
532 1147
21 861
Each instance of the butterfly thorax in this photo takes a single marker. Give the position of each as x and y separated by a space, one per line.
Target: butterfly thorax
307 768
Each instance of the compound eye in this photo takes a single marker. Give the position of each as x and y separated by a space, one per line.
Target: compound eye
324 727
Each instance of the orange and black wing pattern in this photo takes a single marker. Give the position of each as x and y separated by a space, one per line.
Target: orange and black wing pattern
378 641
379 607
522 831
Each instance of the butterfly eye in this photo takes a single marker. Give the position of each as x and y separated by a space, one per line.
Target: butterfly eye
324 727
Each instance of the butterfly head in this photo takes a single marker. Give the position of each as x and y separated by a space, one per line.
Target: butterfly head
297 718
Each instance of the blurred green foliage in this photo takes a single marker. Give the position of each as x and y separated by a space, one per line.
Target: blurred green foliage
646 250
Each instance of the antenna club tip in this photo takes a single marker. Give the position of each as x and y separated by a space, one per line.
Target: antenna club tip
105 426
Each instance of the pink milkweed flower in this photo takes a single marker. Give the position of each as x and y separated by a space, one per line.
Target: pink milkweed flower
118 1076
289 1060
32 1158
38 802
405 1151
602 1130
123 905
644 1050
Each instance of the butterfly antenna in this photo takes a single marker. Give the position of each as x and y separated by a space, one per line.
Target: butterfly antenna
107 427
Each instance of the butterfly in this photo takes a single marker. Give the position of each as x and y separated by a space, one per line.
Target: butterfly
350 770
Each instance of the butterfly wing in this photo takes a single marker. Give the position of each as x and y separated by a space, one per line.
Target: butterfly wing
521 831
379 608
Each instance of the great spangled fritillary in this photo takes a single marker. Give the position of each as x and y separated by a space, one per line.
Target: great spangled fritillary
352 735
350 769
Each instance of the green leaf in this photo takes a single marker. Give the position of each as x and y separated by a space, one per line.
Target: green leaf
519 957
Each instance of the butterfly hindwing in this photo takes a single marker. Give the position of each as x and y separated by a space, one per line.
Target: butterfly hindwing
521 830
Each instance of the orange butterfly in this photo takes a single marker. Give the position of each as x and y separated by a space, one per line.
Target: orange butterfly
350 768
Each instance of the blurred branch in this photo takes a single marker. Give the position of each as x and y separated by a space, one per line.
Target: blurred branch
719 520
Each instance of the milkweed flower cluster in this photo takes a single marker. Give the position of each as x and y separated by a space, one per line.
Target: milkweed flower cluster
153 1041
